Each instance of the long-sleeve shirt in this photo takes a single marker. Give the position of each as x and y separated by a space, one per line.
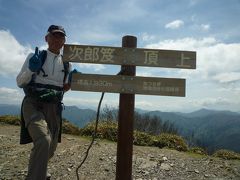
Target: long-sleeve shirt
53 68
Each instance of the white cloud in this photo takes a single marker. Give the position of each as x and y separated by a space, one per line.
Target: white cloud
205 27
123 11
216 61
145 71
90 99
7 91
193 2
218 103
147 37
80 101
174 24
94 35
186 104
227 77
94 67
208 102
12 54
10 96
184 44
104 21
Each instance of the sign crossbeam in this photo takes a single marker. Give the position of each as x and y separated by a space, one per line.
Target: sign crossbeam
129 56
128 84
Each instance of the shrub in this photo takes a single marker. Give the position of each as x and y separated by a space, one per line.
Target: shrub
106 130
88 129
226 154
9 119
69 128
198 150
171 141
142 139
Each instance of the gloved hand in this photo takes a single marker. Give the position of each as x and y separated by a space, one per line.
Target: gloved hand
35 62
70 76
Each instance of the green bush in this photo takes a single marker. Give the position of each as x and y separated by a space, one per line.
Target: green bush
170 141
142 139
9 119
106 130
88 129
227 154
198 150
69 128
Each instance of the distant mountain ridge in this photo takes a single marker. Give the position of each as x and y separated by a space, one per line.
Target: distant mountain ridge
6 109
75 115
206 112
209 128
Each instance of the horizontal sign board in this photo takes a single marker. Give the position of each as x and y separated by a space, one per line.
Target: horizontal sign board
129 56
128 84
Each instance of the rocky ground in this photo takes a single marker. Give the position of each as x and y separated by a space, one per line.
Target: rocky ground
148 162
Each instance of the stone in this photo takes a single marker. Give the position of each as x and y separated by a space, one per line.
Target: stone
165 166
196 171
165 158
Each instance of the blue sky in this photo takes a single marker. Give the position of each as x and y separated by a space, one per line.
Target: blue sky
211 28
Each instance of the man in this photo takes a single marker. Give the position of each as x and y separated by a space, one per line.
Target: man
43 79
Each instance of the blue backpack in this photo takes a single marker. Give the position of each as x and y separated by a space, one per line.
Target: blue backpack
65 66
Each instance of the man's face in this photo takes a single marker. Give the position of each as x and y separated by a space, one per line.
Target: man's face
55 41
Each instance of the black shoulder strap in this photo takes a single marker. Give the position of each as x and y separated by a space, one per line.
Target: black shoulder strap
66 70
43 61
65 66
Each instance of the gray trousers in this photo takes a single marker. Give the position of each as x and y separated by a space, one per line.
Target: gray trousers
43 123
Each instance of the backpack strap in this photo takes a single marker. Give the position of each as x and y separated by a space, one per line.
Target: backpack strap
65 66
66 70
32 86
43 61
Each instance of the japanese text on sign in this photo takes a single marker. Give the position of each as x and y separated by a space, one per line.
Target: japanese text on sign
126 84
98 83
157 86
129 56
94 54
152 58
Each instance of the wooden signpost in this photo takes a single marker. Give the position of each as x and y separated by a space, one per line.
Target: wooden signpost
130 56
127 84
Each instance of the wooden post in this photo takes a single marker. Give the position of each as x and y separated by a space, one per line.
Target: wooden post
125 121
